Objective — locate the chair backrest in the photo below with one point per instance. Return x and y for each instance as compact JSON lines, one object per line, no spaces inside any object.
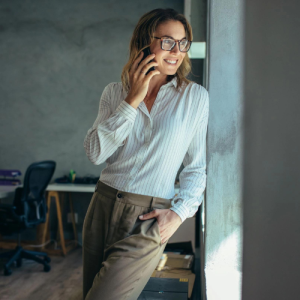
{"x":32,"y":199}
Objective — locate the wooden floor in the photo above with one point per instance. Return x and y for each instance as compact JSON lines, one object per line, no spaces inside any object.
{"x":64,"y":281}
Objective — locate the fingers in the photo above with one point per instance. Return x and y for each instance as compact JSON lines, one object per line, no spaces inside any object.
{"x":144,"y":62}
{"x":148,"y":66}
{"x":147,"y":216}
{"x":136,"y":62}
{"x":151,"y":74}
{"x":139,"y":81}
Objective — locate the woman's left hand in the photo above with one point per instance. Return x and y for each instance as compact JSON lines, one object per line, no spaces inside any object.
{"x":168,"y":222}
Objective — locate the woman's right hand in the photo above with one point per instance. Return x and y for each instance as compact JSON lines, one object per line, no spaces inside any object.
{"x":138,"y":80}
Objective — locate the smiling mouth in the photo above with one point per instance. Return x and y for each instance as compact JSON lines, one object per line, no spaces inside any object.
{"x":171,"y":61}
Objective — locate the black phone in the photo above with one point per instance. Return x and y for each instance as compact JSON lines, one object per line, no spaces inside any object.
{"x":146,"y":53}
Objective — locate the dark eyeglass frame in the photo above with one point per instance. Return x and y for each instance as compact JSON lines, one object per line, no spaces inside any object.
{"x":175,"y":41}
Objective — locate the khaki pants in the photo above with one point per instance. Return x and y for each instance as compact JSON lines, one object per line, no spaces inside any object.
{"x":120,"y":251}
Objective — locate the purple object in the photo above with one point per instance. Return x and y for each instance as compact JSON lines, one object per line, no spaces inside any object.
{"x":10,"y":182}
{"x":11,"y":173}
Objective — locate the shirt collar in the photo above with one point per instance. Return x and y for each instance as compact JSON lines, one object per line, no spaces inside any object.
{"x":172,"y":82}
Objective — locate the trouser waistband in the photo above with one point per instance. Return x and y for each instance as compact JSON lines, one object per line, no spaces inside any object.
{"x":136,"y":199}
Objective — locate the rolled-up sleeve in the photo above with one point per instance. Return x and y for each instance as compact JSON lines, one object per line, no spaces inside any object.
{"x":110,"y":129}
{"x":193,"y":176}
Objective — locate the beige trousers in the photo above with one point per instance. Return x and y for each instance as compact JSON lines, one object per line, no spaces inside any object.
{"x":120,"y":251}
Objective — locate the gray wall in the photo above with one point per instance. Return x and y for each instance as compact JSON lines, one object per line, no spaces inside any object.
{"x":223,"y":235}
{"x":55,"y":59}
{"x":198,"y":19}
{"x":271,"y":190}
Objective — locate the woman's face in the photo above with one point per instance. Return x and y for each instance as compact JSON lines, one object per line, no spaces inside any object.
{"x":173,"y":29}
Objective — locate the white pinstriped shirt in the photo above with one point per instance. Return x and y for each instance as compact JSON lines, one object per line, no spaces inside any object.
{"x":143,"y":152}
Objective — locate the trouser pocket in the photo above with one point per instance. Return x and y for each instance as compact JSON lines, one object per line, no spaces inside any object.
{"x":123,"y":220}
{"x":157,"y":230}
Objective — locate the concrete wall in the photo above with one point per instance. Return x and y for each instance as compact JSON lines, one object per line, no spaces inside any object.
{"x":271,"y":190}
{"x":223,"y":235}
{"x":55,"y":60}
{"x":198,"y":19}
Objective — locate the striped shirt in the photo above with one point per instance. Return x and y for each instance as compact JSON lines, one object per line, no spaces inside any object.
{"x":143,"y":151}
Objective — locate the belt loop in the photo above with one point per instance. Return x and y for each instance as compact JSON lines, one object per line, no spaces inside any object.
{"x":151,"y":203}
{"x":96,"y":187}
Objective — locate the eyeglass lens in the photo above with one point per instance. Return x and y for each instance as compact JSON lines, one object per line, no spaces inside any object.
{"x":168,"y":44}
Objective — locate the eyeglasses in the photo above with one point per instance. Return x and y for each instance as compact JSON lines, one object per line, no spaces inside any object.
{"x":168,"y":44}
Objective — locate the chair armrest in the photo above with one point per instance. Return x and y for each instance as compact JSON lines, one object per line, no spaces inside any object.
{"x":8,"y":211}
{"x":7,"y":206}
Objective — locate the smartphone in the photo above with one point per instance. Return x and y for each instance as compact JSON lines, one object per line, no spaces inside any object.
{"x":146,"y":53}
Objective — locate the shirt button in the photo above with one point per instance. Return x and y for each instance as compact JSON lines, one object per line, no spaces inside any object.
{"x":119,"y":195}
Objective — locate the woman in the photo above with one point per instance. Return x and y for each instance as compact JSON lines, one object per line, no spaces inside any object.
{"x":147,"y":125}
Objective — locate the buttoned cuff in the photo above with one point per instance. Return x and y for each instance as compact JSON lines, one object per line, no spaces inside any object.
{"x":181,"y":210}
{"x":127,"y":111}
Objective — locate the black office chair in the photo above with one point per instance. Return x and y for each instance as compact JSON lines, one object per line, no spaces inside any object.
{"x":28,"y":210}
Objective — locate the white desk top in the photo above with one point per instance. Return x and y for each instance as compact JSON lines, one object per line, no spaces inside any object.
{"x":8,"y":190}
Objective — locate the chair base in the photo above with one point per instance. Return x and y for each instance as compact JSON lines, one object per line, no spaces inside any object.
{"x":19,"y":253}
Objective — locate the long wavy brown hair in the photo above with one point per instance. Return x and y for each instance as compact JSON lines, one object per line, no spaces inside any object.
{"x":143,"y":37}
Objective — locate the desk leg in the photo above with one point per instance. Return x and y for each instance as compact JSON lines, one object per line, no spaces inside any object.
{"x":61,"y":201}
{"x":45,"y":227}
{"x":60,"y":224}
{"x":73,"y":218}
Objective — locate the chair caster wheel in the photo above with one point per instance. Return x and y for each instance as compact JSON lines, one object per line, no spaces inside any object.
{"x":19,"y":262}
{"x":7,"y":272}
{"x":47,"y":259}
{"x":47,"y":268}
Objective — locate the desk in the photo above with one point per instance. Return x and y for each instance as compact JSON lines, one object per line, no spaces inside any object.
{"x":52,"y":191}
{"x":9,"y":190}
{"x":43,"y":232}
